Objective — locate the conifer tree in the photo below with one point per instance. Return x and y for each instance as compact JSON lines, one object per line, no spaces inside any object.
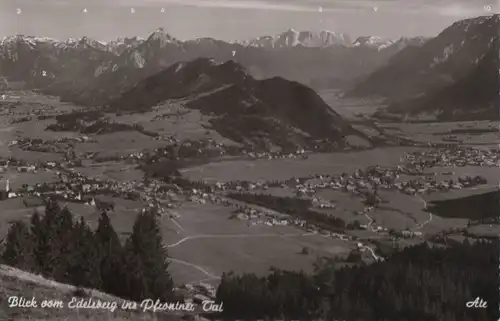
{"x":18,"y":250}
{"x":110,"y":256}
{"x":52,"y":208}
{"x":135,"y":285}
{"x":37,"y":233}
{"x":145,"y":252}
{"x":2,"y":250}
{"x":46,"y":241}
{"x":63,"y":233}
{"x":83,"y":266}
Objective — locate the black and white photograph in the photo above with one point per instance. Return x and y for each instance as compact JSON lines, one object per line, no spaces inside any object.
{"x":274,"y":160}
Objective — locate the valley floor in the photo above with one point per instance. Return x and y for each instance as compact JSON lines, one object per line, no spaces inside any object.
{"x":208,"y":233}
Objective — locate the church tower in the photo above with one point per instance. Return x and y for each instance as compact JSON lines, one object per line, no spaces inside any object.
{"x":4,"y":194}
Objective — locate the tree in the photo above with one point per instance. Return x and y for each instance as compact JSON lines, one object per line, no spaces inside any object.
{"x":52,"y":208}
{"x":47,"y":243}
{"x":63,"y":231}
{"x":136,"y":286}
{"x":19,"y":247}
{"x":36,"y":232}
{"x":83,"y":263}
{"x":110,"y":256}
{"x":147,"y":257}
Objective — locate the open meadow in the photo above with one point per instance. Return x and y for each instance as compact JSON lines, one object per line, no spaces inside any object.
{"x":252,"y":254}
{"x":351,"y":109}
{"x":204,"y":241}
{"x":470,"y":133}
{"x":13,"y":210}
{"x":116,"y":171}
{"x":282,"y":169}
{"x":118,"y":144}
{"x":173,"y":119}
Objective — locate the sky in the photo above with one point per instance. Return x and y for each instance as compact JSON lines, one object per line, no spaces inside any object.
{"x":233,"y":19}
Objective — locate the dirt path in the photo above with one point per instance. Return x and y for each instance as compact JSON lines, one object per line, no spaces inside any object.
{"x":205,"y":236}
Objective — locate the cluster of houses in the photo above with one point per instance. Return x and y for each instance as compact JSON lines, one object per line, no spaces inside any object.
{"x":455,"y":157}
{"x":405,"y":234}
{"x":363,"y":183}
{"x":73,"y":186}
{"x":277,"y":155}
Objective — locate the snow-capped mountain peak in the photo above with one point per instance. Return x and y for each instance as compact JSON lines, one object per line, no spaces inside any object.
{"x":30,"y":40}
{"x":83,"y":43}
{"x":293,"y":38}
{"x":161,"y":36}
{"x":372,"y":42}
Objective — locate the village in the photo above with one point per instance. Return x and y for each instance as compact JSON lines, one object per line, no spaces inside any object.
{"x":409,"y":178}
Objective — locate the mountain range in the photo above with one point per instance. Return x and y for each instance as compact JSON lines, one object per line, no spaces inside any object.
{"x":444,"y":75}
{"x":78,"y":68}
{"x":452,"y":76}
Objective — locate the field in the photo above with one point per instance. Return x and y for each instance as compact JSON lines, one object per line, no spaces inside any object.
{"x":12,"y":210}
{"x":345,"y":205}
{"x":172,"y":119}
{"x":282,"y":169}
{"x":492,"y":174}
{"x":351,"y":109}
{"x":36,"y":129}
{"x":204,"y":242}
{"x":472,"y":133}
{"x":118,"y":171}
{"x":121,"y":143}
{"x":484,"y":230}
{"x":17,"y":179}
{"x":256,"y":254}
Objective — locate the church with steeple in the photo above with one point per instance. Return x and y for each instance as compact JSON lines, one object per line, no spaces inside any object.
{"x":4,"y":192}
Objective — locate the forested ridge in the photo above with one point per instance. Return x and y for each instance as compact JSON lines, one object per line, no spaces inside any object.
{"x":419,"y":283}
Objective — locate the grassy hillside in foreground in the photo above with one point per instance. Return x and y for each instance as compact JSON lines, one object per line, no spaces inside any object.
{"x":15,"y":282}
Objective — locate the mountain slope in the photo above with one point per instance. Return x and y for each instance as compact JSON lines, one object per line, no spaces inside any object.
{"x":39,"y":62}
{"x":258,"y":113}
{"x":474,"y":97}
{"x":437,"y":64}
{"x":15,"y":282}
